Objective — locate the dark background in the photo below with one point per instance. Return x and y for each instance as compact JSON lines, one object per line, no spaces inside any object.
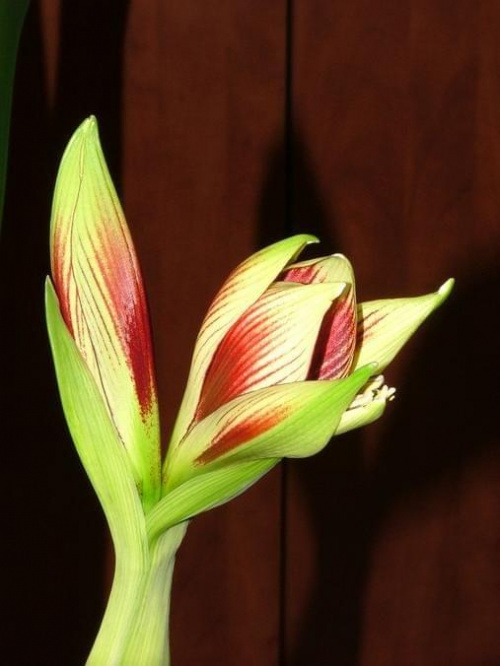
{"x":228,"y":124}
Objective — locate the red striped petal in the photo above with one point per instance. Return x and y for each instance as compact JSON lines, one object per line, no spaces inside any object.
{"x":336,"y":343}
{"x":240,"y":291}
{"x":272,"y":343}
{"x":101,"y":294}
{"x":294,"y":420}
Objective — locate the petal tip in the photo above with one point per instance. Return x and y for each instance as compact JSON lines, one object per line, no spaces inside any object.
{"x":310,"y":239}
{"x":446,"y":288}
{"x":89,"y":126}
{"x":50,"y":292}
{"x":337,"y":289}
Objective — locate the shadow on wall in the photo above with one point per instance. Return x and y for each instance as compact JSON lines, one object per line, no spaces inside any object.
{"x":336,"y":507}
{"x":53,"y":580}
{"x":444,"y":420}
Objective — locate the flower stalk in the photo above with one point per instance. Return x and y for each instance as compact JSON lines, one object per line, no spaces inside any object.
{"x":285,"y":359}
{"x":134,"y":629}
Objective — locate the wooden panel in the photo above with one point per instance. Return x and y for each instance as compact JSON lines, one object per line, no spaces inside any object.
{"x":203,"y":105}
{"x":393,"y":534}
{"x":54,"y":545}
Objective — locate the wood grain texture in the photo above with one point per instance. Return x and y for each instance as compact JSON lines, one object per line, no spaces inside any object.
{"x":389,"y":149}
{"x":395,"y":115}
{"x":203,"y":103}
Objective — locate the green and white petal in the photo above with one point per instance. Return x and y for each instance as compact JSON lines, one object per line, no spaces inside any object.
{"x":291,"y":420}
{"x":367,"y":406}
{"x":384,"y":326}
{"x":242,"y":288}
{"x":272,"y":343}
{"x":360,"y":416}
{"x":99,"y":286}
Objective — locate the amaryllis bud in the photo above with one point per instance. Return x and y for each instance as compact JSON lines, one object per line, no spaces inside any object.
{"x":99,"y":286}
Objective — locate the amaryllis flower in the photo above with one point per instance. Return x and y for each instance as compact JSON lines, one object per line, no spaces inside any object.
{"x":285,"y":359}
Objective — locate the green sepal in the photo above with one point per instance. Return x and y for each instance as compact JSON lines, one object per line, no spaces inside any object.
{"x":203,"y":493}
{"x":300,"y":419}
{"x":94,"y":435}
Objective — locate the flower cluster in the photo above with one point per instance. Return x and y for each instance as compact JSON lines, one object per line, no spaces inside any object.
{"x":285,"y":359}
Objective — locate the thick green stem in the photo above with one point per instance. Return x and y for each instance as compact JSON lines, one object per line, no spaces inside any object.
{"x":134,"y":629}
{"x":149,"y":639}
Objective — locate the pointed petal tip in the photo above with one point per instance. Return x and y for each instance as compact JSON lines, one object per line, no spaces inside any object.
{"x":89,"y":126}
{"x":446,"y":288}
{"x":85,"y":135}
{"x":50,"y":292}
{"x":303,"y":240}
{"x":310,"y":239}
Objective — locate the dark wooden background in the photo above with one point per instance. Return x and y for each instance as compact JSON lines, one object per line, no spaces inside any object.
{"x":229,"y":124}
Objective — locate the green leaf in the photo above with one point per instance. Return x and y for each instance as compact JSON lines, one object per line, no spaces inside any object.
{"x":12,"y":13}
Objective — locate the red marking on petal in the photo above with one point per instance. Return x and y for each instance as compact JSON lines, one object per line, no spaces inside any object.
{"x":304,"y":274}
{"x":114,"y":268}
{"x":61,"y":280}
{"x":241,"y":433}
{"x":127,"y":304}
{"x":335,"y":351}
{"x":261,"y":349}
{"x":367,"y":325}
{"x":336,"y":341}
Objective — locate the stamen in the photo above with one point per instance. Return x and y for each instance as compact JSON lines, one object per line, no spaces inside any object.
{"x":374,"y":390}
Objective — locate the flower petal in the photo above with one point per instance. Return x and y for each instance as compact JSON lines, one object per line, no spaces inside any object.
{"x":242,"y":288}
{"x":361,"y":416}
{"x":272,"y":343}
{"x":293,"y":420}
{"x":337,"y":338}
{"x":385,"y":325}
{"x":99,"y":285}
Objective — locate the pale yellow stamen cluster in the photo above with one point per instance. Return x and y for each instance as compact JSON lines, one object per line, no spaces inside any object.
{"x":374,"y":390}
